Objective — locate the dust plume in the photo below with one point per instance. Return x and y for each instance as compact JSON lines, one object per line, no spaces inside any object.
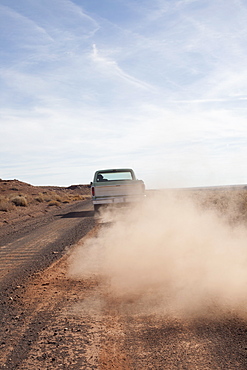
{"x":168,"y":256}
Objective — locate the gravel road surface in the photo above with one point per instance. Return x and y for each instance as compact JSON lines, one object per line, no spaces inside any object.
{"x":35,"y":243}
{"x":52,"y":322}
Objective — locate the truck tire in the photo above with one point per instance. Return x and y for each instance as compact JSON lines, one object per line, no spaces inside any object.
{"x":96,"y":208}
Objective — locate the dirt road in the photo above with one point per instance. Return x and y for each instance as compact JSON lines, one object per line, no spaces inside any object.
{"x":50,"y":321}
{"x":35,"y":243}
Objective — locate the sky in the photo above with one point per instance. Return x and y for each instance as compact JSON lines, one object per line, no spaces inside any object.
{"x":158,"y":86}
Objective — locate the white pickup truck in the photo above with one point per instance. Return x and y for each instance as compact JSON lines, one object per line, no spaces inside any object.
{"x":116,"y":186}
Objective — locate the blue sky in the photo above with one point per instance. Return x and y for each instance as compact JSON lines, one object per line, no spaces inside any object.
{"x":159,"y":86}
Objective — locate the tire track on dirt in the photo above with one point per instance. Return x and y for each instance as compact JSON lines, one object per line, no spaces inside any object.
{"x":45,"y":242}
{"x":36,"y":328}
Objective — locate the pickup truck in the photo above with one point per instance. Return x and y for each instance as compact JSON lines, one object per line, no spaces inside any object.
{"x":116,"y":186}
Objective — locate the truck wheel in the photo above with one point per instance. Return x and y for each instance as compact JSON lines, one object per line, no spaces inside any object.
{"x":96,"y":208}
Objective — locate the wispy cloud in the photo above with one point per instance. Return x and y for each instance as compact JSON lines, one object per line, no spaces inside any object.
{"x":111,"y":67}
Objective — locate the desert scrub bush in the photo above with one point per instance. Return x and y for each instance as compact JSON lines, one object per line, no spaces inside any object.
{"x":74,"y":198}
{"x":58,"y":198}
{"x":65,"y":200}
{"x":19,"y":201}
{"x":52,"y":196}
{"x":47,"y":197}
{"x":5,"y":204}
{"x":40,"y":198}
{"x":77,"y":197}
{"x":54,"y":203}
{"x":241,"y":203}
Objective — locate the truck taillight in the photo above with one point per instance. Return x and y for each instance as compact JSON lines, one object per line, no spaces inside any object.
{"x":92,"y":189}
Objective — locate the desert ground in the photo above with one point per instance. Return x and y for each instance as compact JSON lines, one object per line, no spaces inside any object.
{"x":20,"y":201}
{"x":161,"y":286}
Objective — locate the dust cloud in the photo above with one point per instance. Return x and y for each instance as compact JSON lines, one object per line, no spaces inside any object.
{"x":168,"y":256}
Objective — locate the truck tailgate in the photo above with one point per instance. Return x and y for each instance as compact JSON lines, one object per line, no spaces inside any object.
{"x":111,"y":190}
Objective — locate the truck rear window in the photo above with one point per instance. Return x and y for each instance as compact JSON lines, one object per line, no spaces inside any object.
{"x":114,"y":176}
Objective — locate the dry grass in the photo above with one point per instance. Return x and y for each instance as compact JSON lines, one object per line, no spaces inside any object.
{"x":8,"y":203}
{"x":15,"y":195}
{"x":230,"y":204}
{"x":5,"y":204}
{"x":53,"y":203}
{"x":19,"y":201}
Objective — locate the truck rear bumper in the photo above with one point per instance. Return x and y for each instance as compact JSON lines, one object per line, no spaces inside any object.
{"x":118,"y":200}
